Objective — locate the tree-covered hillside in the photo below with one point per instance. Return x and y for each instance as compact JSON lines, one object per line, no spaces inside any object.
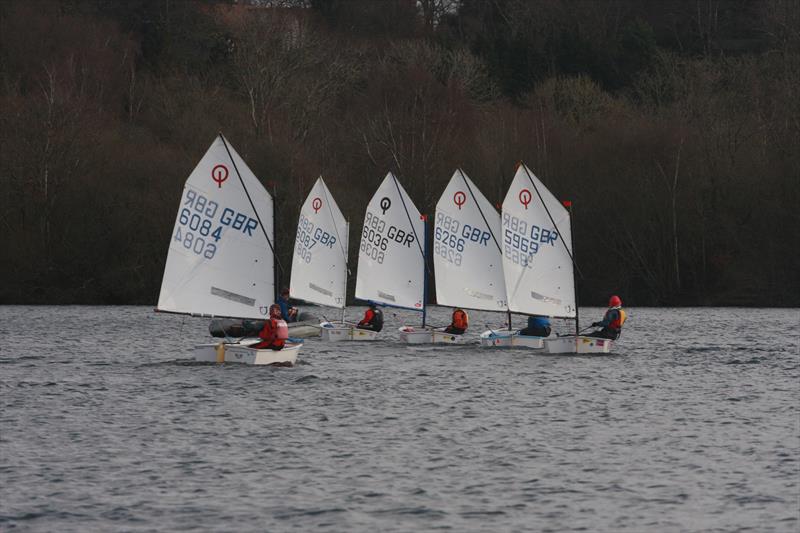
{"x":672,"y":125}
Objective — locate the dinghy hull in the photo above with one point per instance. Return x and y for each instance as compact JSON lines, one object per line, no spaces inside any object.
{"x":241,"y":352}
{"x":584,"y":345}
{"x":303,"y":330}
{"x":510,"y":339}
{"x":410,"y":335}
{"x":334,"y":332}
{"x":229,"y":327}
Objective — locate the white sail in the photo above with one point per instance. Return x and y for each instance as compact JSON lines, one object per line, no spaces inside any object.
{"x":319,"y":267}
{"x":390,"y":258}
{"x":536,"y":263}
{"x":466,"y":249}
{"x":220,"y":260}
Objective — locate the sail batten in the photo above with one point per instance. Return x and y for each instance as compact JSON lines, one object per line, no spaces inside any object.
{"x":220,"y":260}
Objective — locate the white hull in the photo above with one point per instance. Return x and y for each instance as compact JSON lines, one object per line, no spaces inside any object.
{"x":240,"y":352}
{"x":303,"y":330}
{"x":581,"y":345}
{"x":333,"y":332}
{"x":427,"y":336}
{"x":510,"y":339}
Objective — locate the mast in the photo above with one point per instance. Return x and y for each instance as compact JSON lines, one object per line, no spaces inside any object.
{"x":275,"y":260}
{"x":346,"y":269}
{"x":276,"y":279}
{"x":489,"y":227}
{"x":568,"y":205}
{"x":424,"y":269}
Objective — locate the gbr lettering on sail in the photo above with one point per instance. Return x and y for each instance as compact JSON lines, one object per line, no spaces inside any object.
{"x":201,"y":223}
{"x":378,"y":235}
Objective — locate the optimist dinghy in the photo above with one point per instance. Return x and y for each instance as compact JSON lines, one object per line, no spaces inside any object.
{"x":466,"y":255}
{"x":221,"y":261}
{"x":391,"y":258}
{"x":319,"y":268}
{"x":538,"y":265}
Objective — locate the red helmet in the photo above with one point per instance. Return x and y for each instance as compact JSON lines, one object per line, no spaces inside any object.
{"x":275,"y":311}
{"x":614,"y":301}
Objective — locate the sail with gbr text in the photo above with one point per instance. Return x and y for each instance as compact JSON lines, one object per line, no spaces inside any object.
{"x":537,"y":248}
{"x":220,"y":260}
{"x":319,"y":267}
{"x":467,"y":257}
{"x":390,"y":258}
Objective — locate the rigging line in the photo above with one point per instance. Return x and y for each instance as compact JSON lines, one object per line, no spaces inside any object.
{"x":333,"y":221}
{"x":494,"y":238}
{"x":341,"y":247}
{"x":519,"y":280}
{"x":535,"y":188}
{"x":416,"y":237}
{"x":247,"y":193}
{"x":480,"y":211}
{"x":516,"y":287}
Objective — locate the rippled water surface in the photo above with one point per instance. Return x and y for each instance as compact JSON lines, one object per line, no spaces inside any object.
{"x":690,"y":425}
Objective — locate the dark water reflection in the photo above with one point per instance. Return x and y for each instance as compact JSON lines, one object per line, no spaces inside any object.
{"x":692,"y":424}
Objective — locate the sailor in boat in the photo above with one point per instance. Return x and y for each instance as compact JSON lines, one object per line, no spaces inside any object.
{"x":373,"y":318}
{"x":275,"y":331}
{"x":538,"y":326}
{"x":611,"y":325}
{"x":288,"y":312}
{"x":460,"y":322}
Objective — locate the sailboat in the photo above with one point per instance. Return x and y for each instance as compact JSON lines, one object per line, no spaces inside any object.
{"x":538,"y":263}
{"x":391,"y":258}
{"x":466,"y":255}
{"x":319,"y":267}
{"x":221,"y":260}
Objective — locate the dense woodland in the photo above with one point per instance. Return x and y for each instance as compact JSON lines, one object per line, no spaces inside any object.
{"x":672,"y":125}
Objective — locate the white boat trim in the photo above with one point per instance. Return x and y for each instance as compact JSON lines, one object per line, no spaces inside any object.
{"x":510,"y":339}
{"x":338,"y":331}
{"x":241,"y":352}
{"x":411,"y":335}
{"x":581,"y":345}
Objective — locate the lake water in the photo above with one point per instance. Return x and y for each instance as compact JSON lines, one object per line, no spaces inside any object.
{"x":692,"y":424}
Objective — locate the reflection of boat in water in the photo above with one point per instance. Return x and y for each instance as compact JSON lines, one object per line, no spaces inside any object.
{"x":221,"y":261}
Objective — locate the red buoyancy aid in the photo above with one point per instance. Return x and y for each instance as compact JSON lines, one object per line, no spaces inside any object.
{"x":617,"y":323}
{"x":460,"y":319}
{"x":368,"y":316}
{"x":275,"y":332}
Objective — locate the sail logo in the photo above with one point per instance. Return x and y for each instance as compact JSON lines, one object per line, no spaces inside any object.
{"x":459,"y":198}
{"x":386,"y":203}
{"x":316,"y":204}
{"x":525,"y":197}
{"x":219,"y":174}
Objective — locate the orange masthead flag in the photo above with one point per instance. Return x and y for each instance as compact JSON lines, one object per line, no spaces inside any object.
{"x":567,"y":203}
